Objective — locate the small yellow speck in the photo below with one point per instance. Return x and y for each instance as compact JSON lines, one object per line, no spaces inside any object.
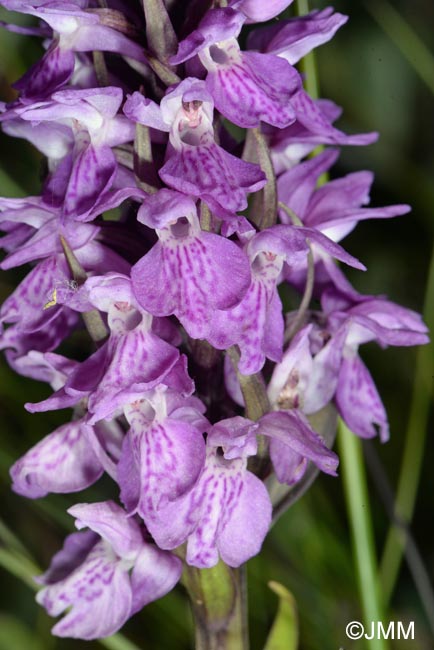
{"x":53,"y":300}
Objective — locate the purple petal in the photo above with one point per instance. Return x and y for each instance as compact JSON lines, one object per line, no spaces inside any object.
{"x":191,"y":279}
{"x":92,"y":173}
{"x":85,"y":101}
{"x":258,"y":11}
{"x":340,"y":226}
{"x":128,"y":475}
{"x":274,"y":330}
{"x":47,"y":75}
{"x":140,"y":109}
{"x":171,"y":455}
{"x":178,"y":378}
{"x":50,"y":368}
{"x":358,"y":401}
{"x":104,"y":39}
{"x":26,"y":305}
{"x":111,"y":522}
{"x":391,"y":323}
{"x":59,"y":400}
{"x":164,"y":207}
{"x":330,"y":247}
{"x":75,"y":549}
{"x":61,"y":462}
{"x":154,"y":574}
{"x":259,"y":87}
{"x":218,"y":25}
{"x":295,"y":436}
{"x":211,"y":173}
{"x":325,"y":372}
{"x":295,"y":187}
{"x":135,"y":362}
{"x":242,"y":536}
{"x":294,"y":38}
{"x":236,"y":436}
{"x":98,"y":592}
{"x":309,"y":114}
{"x":338,"y":195}
{"x":45,"y":242}
{"x":53,"y":140}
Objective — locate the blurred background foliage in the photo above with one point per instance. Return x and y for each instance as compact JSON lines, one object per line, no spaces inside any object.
{"x":378,"y":70}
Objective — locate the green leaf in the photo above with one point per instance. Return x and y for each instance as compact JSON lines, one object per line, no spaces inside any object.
{"x":362,"y":533}
{"x":284,"y":632}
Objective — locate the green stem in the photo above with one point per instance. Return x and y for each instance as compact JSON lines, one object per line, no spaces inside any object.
{"x":19,"y":566}
{"x":219,"y":606}
{"x":308,"y":63}
{"x":252,"y":387}
{"x":414,"y":449}
{"x":356,"y":496}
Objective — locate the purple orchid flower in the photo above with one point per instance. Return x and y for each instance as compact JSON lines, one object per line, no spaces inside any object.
{"x":104,"y":575}
{"x":44,"y":366}
{"x":292,"y":39}
{"x":34,"y":229}
{"x":64,"y":461}
{"x":293,"y":444}
{"x":131,"y":361}
{"x":163,"y":452}
{"x":35,"y":308}
{"x":72,"y":457}
{"x":189,"y":272}
{"x":304,"y":380}
{"x":333,"y":209}
{"x":378,"y":320}
{"x":247,"y":87}
{"x":196,"y":165}
{"x":30,"y":326}
{"x":312,"y":127}
{"x":228,"y":512}
{"x":336,"y":207}
{"x":312,"y":373}
{"x":256,"y":323}
{"x":40,"y":237}
{"x":74,"y":28}
{"x":82,"y":127}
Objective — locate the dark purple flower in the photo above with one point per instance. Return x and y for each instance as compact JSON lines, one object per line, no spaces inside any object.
{"x":292,"y":39}
{"x":76,"y":129}
{"x":74,"y":29}
{"x":196,"y":165}
{"x":247,"y":87}
{"x":256,"y":323}
{"x":333,"y":209}
{"x":30,"y":325}
{"x":131,"y":361}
